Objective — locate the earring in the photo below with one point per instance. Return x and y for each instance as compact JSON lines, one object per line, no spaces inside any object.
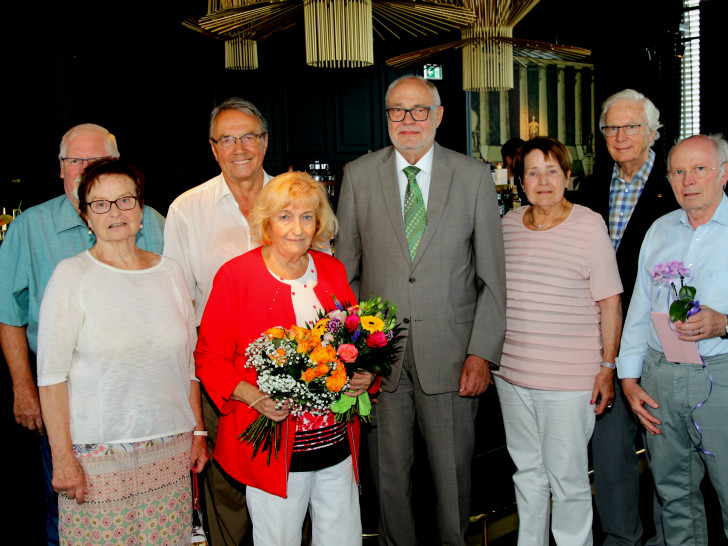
{"x":90,"y":231}
{"x":141,"y":225}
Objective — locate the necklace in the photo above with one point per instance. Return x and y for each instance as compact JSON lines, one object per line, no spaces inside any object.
{"x":539,"y":227}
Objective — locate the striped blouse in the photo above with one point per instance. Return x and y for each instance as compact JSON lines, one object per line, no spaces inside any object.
{"x":554,"y":280}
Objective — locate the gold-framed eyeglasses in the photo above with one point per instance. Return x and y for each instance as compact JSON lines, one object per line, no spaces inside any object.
{"x":102,"y":206}
{"x":699,"y":172}
{"x":248,"y":139}
{"x":627,"y":130}
{"x":418,"y":113}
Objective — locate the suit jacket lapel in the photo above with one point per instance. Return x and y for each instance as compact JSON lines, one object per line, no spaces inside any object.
{"x":439,"y":188}
{"x":390,"y":192}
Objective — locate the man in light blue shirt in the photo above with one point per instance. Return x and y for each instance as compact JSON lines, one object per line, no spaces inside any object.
{"x":35,"y":242}
{"x":682,"y":443}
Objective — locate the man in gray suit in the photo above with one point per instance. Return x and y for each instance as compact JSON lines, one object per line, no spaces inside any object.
{"x":420,"y":227}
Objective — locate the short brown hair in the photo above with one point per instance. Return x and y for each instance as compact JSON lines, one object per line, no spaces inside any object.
{"x":547,"y":145}
{"x":108,"y":165}
{"x":292,"y":188}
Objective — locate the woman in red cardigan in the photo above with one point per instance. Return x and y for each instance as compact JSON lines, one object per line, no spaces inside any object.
{"x":282,"y":283}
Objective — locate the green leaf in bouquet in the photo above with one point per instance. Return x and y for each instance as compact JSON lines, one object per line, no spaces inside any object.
{"x":364,"y":405}
{"x":343,"y":404}
{"x":679,"y":310}
{"x":687,"y":293}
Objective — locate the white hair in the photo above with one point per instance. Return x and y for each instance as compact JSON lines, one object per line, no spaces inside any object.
{"x":73,"y":132}
{"x":652,"y":114}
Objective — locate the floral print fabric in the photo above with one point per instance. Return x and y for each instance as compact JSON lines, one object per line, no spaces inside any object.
{"x":138,"y":493}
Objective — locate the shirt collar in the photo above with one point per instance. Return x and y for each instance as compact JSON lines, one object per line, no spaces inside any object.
{"x":66,"y":216}
{"x":424,"y":164}
{"x":640,"y":176}
{"x":720,"y":215}
{"x":222,"y":190}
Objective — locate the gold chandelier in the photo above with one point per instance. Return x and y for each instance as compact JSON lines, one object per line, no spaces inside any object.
{"x":241,"y":54}
{"x":339,"y":33}
{"x":488,"y":46}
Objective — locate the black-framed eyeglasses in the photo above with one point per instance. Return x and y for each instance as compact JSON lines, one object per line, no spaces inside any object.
{"x":249,"y":139}
{"x":79,"y":161}
{"x":102,"y":206}
{"x":628,"y":130}
{"x":418,"y":113}
{"x":698,"y":173}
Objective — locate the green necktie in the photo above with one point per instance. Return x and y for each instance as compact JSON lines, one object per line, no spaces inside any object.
{"x":415,"y":216}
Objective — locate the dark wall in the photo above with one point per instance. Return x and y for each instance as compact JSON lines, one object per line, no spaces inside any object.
{"x":133,"y":68}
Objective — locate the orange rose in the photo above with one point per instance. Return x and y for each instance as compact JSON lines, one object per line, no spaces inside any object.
{"x":275,"y":333}
{"x":336,"y":381}
{"x":323,"y":354}
{"x":312,"y":373}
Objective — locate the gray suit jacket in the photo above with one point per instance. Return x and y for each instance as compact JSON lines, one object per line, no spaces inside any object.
{"x":452,"y":297}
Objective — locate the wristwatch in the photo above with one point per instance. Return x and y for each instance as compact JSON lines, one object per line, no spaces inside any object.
{"x":609,"y":365}
{"x":725,"y":336}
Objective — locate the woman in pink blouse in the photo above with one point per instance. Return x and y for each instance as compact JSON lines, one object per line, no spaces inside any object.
{"x":563,"y":326}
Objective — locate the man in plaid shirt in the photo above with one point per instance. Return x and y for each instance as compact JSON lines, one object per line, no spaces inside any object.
{"x":630,"y":194}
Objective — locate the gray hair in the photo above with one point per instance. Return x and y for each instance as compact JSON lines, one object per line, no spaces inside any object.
{"x":719,"y":145}
{"x":73,"y":132}
{"x":241,"y":105}
{"x":652,"y":114}
{"x":431,"y":86}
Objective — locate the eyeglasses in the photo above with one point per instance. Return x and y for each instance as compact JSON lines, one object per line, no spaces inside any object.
{"x":102,"y":206}
{"x":627,"y":130}
{"x":249,"y":139}
{"x":698,"y":173}
{"x":79,"y":161}
{"x":419,"y":113}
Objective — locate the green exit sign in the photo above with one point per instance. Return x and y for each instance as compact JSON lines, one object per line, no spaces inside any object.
{"x":433,"y":72}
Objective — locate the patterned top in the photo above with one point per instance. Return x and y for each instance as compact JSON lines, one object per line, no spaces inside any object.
{"x":623,"y":197}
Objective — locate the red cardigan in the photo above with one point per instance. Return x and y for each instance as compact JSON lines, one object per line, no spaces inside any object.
{"x":246,"y":299}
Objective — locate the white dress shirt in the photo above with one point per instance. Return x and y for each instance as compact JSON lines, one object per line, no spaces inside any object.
{"x":423,"y":177}
{"x":205,"y":229}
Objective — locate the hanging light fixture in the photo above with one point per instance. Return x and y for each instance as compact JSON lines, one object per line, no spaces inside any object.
{"x":338,"y":33}
{"x":241,"y":54}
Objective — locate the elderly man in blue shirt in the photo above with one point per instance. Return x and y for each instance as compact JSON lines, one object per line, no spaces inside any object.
{"x":35,"y":242}
{"x":687,"y":422}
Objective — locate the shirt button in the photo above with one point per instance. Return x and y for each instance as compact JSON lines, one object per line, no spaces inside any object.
{"x":412,"y":279}
{"x":406,"y":321}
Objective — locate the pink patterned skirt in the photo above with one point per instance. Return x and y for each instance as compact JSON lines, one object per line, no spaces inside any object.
{"x":137,"y":494}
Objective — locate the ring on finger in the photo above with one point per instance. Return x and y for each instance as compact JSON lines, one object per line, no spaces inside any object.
{"x":279,"y":406}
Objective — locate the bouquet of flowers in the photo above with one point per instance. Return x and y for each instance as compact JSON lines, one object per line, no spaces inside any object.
{"x":366,"y":337}
{"x":684,"y":304}
{"x":311,"y":367}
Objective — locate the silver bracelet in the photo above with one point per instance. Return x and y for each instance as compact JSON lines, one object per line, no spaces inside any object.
{"x":199,"y":432}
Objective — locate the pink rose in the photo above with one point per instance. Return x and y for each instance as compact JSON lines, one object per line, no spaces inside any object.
{"x":376,"y":340}
{"x":352,"y":322}
{"x":347,"y":352}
